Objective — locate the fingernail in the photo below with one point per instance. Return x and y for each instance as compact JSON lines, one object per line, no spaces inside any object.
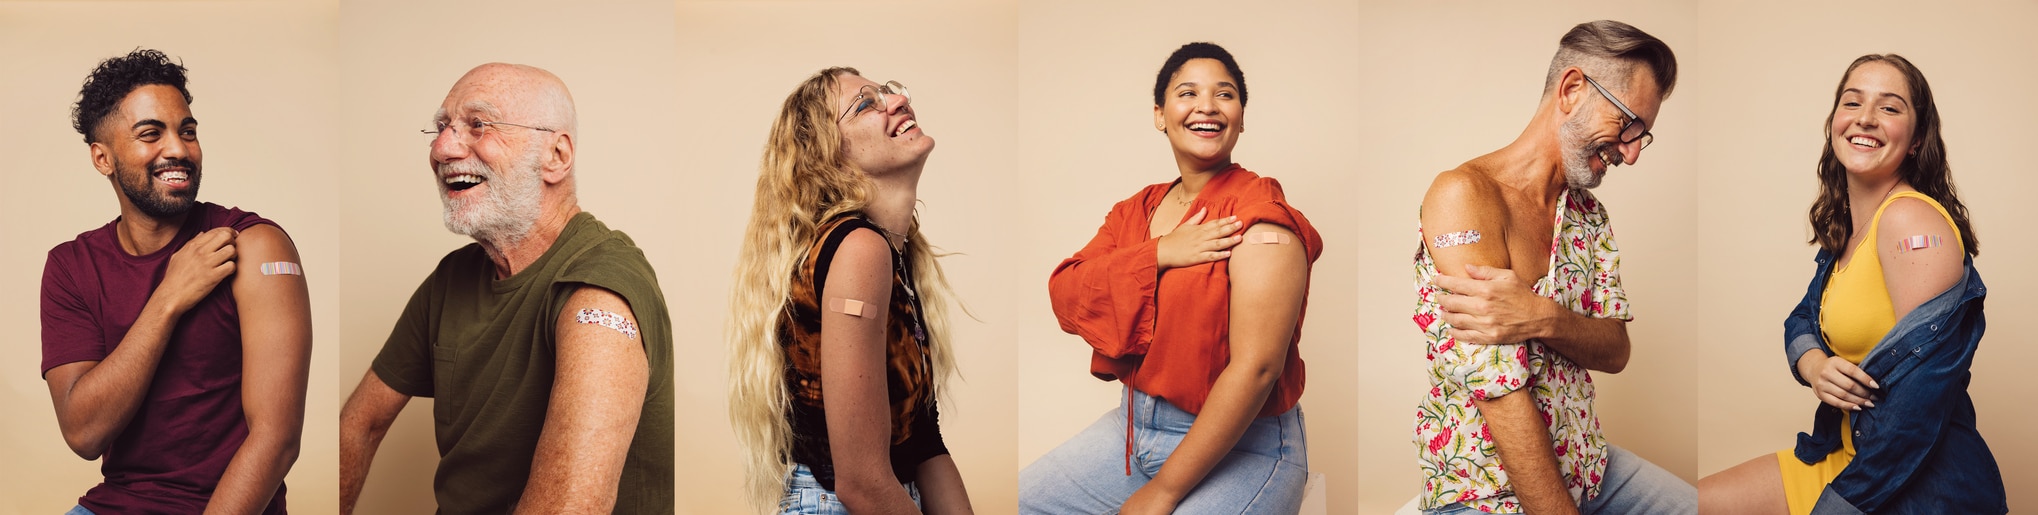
{"x":1857,"y":407}
{"x":1870,"y":404}
{"x":1871,"y":384}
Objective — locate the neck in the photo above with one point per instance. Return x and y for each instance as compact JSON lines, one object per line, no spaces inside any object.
{"x":891,"y":205}
{"x":141,"y":234}
{"x":1532,"y":165}
{"x":513,"y":255}
{"x":1196,"y":175}
{"x":1865,"y":194}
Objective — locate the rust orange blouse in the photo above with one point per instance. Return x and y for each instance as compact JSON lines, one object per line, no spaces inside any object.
{"x":1169,"y":335}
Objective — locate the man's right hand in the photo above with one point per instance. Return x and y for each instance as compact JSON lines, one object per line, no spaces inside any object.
{"x":196,"y":269}
{"x":1195,"y":242}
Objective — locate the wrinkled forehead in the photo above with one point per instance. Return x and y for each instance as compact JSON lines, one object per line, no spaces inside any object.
{"x":1641,"y":94}
{"x":487,"y":97}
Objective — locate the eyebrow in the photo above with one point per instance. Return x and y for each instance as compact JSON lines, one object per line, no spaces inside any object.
{"x":152,"y":122}
{"x":486,"y":109}
{"x":1221,"y":84}
{"x":1858,"y":91}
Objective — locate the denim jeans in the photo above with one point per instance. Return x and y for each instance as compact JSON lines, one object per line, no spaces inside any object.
{"x":1631,"y":485}
{"x":1264,"y":473}
{"x":804,"y":495}
{"x":79,"y":510}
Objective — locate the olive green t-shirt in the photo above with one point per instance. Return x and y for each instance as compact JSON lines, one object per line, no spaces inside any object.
{"x":483,"y":349}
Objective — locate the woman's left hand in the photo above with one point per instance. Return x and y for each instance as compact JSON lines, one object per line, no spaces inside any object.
{"x":1149,"y":500}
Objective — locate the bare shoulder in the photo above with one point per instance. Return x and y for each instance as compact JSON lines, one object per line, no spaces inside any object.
{"x":1462,"y":186}
{"x":264,"y":241}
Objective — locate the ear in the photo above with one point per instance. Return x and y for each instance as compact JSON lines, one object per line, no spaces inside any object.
{"x":102,"y":158}
{"x":559,"y":161}
{"x":1571,"y":89}
{"x":1160,"y":122}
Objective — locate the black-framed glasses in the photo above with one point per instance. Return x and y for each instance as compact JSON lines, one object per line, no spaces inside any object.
{"x":474,"y":128}
{"x":875,"y":97}
{"x":1631,"y":130}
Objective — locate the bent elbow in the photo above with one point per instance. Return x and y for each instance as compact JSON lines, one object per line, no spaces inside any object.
{"x":1260,"y":374}
{"x":84,"y":446}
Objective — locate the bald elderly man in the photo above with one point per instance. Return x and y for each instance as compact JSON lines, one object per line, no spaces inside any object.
{"x":545,"y":344}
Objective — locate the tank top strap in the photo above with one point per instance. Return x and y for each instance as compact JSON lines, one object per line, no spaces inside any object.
{"x":1876,"y":222}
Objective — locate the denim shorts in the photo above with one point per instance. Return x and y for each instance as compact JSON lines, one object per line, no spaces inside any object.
{"x":805,"y":496}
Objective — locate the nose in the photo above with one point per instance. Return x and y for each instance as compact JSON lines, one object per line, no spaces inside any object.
{"x":1631,"y":152}
{"x":176,"y":148}
{"x":894,"y":102}
{"x":448,"y":145}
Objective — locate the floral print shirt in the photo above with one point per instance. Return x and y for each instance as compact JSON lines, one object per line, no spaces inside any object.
{"x":1459,"y":461}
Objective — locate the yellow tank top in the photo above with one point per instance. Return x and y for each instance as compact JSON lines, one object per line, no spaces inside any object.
{"x":1855,"y":310}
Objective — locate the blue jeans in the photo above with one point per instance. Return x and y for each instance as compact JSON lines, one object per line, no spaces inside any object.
{"x":1264,"y":473}
{"x":805,"y":496}
{"x":79,"y":510}
{"x":1631,"y":485}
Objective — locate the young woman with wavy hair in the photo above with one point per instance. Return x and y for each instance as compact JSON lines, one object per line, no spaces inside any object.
{"x":835,"y":275}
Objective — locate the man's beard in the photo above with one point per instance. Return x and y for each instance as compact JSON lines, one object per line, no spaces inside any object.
{"x":1578,"y":154}
{"x":140,"y":189}
{"x":508,"y":210}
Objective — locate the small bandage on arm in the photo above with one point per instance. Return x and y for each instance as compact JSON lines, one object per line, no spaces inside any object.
{"x":1919,"y":242}
{"x":282,"y":268}
{"x":609,"y":319}
{"x":1448,"y":240}
{"x":1268,"y":238}
{"x":851,"y":307}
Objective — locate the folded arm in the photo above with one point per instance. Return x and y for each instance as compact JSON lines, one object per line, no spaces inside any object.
{"x":96,"y":399}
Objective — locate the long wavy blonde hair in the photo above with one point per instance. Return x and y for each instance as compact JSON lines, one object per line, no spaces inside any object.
{"x":804,"y":181}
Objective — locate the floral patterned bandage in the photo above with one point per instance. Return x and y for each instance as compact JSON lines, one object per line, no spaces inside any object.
{"x":1455,"y":239}
{"x":607,"y":319}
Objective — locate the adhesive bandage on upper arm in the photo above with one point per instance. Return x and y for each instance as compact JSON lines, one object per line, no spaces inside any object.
{"x":609,"y":319}
{"x":1271,"y":238}
{"x":1919,"y":242}
{"x":282,"y":268}
{"x":1455,"y":239}
{"x":851,"y":307}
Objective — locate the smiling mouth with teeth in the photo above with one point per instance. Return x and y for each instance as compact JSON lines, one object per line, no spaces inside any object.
{"x":173,"y":176}
{"x":903,"y":127}
{"x":1206,"y":127}
{"x":462,"y":182}
{"x":1865,"y":141}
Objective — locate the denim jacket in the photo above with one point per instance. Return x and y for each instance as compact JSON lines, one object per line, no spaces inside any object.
{"x":1917,"y":450}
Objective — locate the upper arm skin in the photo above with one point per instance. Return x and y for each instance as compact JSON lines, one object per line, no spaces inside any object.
{"x":275,"y":319}
{"x":1915,"y":276}
{"x":853,"y":364}
{"x":275,"y":313}
{"x":597,"y":398}
{"x":1458,"y":201}
{"x":1268,"y":285}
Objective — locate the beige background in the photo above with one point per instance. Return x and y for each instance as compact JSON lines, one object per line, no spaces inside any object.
{"x":741,"y":59}
{"x":400,"y":58}
{"x":262,"y":77}
{"x":1087,"y":117}
{"x":1766,"y":91}
{"x":1443,"y":85}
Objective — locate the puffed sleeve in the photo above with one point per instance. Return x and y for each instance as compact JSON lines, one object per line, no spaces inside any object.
{"x":1105,"y":293}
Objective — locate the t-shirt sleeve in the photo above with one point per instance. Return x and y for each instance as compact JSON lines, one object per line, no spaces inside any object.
{"x":69,"y":332}
{"x":405,"y":363}
{"x":617,"y":266}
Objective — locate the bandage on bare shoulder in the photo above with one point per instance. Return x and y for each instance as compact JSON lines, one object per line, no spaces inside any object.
{"x":1919,"y":242}
{"x":1269,"y":238}
{"x":851,"y":307}
{"x":1454,"y":239}
{"x":609,"y":319}
{"x":282,"y":268}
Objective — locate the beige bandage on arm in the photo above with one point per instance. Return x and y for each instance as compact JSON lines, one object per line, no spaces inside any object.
{"x":851,"y":307}
{"x":1269,"y":238}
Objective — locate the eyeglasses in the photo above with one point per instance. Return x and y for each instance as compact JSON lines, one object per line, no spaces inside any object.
{"x":875,"y":97}
{"x":1631,"y":130}
{"x":475,"y":128}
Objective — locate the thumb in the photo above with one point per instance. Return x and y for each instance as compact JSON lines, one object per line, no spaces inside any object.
{"x":1193,"y":220}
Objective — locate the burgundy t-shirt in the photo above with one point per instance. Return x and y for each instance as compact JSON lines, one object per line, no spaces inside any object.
{"x":174,"y":450}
